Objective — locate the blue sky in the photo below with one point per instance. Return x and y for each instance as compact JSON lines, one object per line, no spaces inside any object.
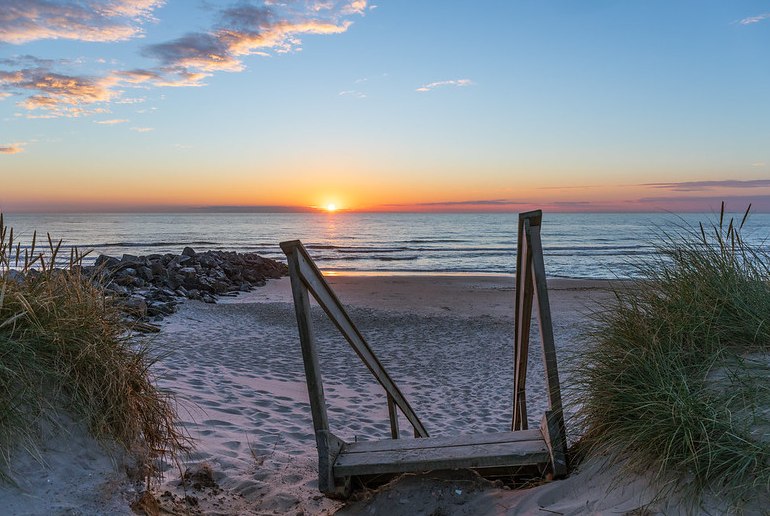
{"x":595,"y":104}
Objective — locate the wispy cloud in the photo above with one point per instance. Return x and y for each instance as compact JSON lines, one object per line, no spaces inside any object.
{"x":113,"y":121}
{"x":142,"y":129}
{"x":754,"y":19}
{"x":475,"y":202}
{"x":433,"y":85}
{"x":12,"y":148}
{"x":22,"y":21}
{"x":353,"y":93}
{"x":696,"y":186}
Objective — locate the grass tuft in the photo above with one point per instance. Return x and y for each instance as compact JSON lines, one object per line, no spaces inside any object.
{"x":678,"y":381}
{"x":65,"y":348}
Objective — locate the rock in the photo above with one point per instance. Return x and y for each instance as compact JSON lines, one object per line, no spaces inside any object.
{"x":130,"y":258}
{"x":104,"y":261}
{"x":145,"y":273}
{"x":150,"y":286}
{"x":136,"y":305}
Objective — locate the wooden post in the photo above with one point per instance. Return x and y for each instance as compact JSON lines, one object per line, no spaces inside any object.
{"x":327,"y":443}
{"x":393,"y":414}
{"x":557,"y":430}
{"x":522,"y":322}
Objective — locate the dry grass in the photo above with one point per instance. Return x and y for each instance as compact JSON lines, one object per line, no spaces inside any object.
{"x":65,"y":347}
{"x":667,"y":388}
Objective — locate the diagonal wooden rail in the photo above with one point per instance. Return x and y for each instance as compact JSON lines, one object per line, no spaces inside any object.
{"x":339,"y":461}
{"x":305,"y":277}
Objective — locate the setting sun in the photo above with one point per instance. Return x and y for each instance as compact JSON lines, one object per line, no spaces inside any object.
{"x":331,"y":207}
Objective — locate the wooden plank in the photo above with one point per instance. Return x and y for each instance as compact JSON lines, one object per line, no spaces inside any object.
{"x":443,"y":441}
{"x":315,"y":282}
{"x":476,"y":456}
{"x":393,"y":415}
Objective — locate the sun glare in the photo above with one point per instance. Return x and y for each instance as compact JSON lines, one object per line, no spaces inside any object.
{"x":331,"y":207}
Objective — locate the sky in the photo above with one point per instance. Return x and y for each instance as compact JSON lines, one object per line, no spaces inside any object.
{"x":384,"y":105}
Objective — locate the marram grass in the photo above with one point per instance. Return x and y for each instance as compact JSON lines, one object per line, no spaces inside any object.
{"x":678,"y":381}
{"x":64,"y":347}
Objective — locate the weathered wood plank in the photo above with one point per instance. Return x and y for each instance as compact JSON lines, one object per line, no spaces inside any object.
{"x":322,"y":292}
{"x":443,"y":442}
{"x":476,"y":456}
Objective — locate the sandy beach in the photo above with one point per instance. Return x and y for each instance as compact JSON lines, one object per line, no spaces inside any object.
{"x":237,"y":373}
{"x":447,"y":340}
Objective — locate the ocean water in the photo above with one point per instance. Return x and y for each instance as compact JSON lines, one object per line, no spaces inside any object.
{"x":583,"y":245}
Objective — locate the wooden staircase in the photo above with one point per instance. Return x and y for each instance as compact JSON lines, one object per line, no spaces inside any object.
{"x":543,"y":448}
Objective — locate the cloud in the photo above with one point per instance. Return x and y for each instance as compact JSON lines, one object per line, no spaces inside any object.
{"x":754,"y":19}
{"x":240,"y":30}
{"x":12,"y":148}
{"x":142,"y":129}
{"x":113,"y":121}
{"x":22,"y":21}
{"x":433,"y":85}
{"x":733,"y":203}
{"x":482,"y":202}
{"x":352,"y":93}
{"x":60,"y":94}
{"x":245,"y":30}
{"x":696,"y":186}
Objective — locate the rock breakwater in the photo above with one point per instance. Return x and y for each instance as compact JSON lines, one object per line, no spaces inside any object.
{"x":150,"y":287}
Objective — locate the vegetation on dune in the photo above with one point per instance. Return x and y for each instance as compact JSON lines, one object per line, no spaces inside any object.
{"x":64,"y":348}
{"x":678,"y":382}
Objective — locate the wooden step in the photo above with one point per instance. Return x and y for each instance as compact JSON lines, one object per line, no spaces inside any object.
{"x":504,"y":449}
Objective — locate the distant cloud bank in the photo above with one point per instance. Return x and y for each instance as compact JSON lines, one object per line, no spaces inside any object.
{"x":696,"y":186}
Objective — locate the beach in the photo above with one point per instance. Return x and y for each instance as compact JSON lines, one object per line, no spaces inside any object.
{"x":236,"y":370}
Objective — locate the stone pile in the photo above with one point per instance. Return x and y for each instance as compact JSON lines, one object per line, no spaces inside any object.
{"x":150,"y":286}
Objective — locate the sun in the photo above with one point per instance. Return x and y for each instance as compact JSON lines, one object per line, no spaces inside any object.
{"x":331,"y":207}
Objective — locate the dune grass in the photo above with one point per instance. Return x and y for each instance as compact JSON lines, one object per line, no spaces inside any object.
{"x":64,"y":348}
{"x":678,"y":382}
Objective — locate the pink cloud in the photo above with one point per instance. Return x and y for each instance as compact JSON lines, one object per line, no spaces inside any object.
{"x":22,"y":21}
{"x":11,"y":148}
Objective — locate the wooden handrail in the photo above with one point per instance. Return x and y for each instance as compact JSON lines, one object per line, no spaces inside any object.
{"x":305,"y":276}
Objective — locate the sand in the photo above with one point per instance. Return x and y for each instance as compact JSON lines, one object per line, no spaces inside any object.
{"x":237,"y":372}
{"x":446,"y":340}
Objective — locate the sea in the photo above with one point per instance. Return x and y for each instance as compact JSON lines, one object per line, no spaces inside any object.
{"x":575,"y":245}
